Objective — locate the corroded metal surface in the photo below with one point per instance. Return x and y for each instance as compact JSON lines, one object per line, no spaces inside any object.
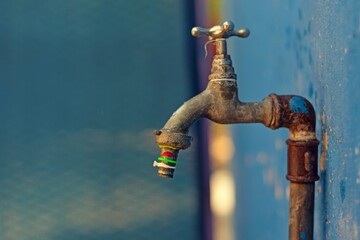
{"x":221,"y":67}
{"x":298,"y":115}
{"x":302,"y":161}
{"x":301,"y":218}
{"x":173,"y":139}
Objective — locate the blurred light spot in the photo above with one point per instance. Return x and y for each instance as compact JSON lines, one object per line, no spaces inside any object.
{"x":278,"y":192}
{"x":262,"y":157}
{"x":279,"y":144}
{"x":222,"y":193}
{"x":269,"y":176}
{"x":221,"y":149}
{"x":357,"y":151}
{"x":356,"y":231}
{"x":287,"y":192}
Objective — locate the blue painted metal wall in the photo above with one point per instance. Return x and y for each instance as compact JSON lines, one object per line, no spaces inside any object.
{"x":308,"y":48}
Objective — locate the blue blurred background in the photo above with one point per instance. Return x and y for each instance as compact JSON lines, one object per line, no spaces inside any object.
{"x":83,"y":84}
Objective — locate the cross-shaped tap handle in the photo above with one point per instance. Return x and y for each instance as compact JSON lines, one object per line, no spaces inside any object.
{"x":225,"y":30}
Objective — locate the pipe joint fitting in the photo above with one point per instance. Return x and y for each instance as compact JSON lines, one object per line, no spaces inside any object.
{"x":302,"y":161}
{"x":170,"y":144}
{"x":273,"y":118}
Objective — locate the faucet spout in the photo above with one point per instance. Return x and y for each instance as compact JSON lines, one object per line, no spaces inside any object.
{"x":219,"y":103}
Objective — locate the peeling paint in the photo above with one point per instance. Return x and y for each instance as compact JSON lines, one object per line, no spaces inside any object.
{"x":324,"y":149}
{"x":297,"y":104}
{"x":324,"y":144}
{"x":348,"y":227}
{"x":303,"y":236}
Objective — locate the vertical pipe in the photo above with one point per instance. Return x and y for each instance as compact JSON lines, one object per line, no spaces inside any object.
{"x":301,"y":219}
{"x":302,"y":174}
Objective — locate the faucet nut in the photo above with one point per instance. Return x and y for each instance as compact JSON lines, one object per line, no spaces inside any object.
{"x":167,"y":162}
{"x":173,"y":140}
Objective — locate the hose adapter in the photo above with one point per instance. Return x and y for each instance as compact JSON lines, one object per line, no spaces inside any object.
{"x":170,"y":144}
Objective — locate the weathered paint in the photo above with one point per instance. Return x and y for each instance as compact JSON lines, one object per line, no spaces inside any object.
{"x":303,"y":236}
{"x":311,"y":49}
{"x":297,"y":104}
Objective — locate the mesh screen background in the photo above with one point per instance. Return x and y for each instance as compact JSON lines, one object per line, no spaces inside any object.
{"x":82,"y":84}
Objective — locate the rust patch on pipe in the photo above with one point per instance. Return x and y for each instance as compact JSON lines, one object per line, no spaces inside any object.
{"x":302,"y":161}
{"x":296,"y":113}
{"x":324,"y":144}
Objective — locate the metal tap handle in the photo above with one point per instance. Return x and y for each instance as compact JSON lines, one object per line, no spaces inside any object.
{"x":225,"y":30}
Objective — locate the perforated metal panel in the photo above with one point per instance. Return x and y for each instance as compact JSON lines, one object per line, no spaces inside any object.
{"x":82,"y":84}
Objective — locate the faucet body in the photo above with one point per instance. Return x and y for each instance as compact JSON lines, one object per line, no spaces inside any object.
{"x":219,"y":103}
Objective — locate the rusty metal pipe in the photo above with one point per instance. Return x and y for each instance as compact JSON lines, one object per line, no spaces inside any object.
{"x":298,"y":115}
{"x":219,"y":103}
{"x":301,"y":218}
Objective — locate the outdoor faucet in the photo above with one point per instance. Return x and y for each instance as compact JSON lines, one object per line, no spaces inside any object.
{"x":219,"y":103}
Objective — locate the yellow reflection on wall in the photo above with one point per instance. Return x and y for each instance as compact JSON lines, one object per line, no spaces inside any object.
{"x":222,"y":195}
{"x":222,"y":184}
{"x":221,"y":148}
